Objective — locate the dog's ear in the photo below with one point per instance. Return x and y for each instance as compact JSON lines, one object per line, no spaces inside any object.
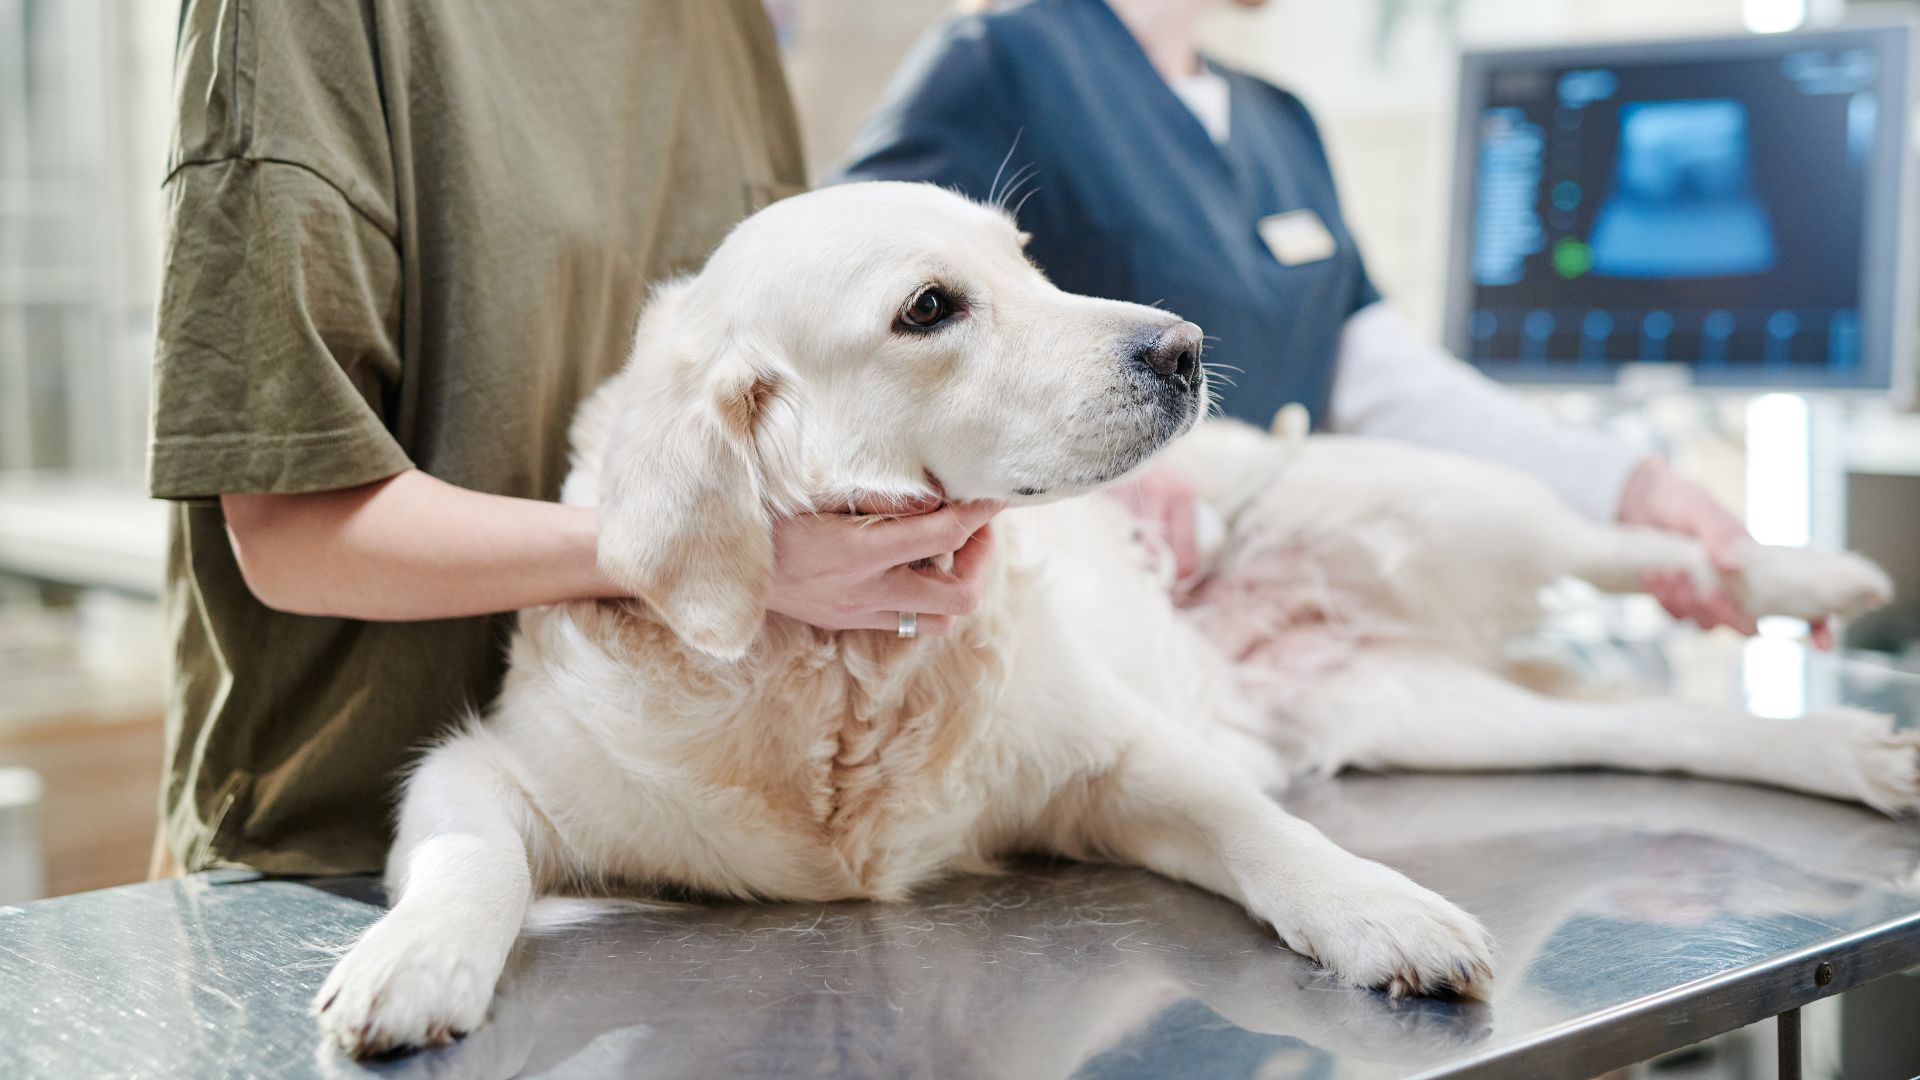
{"x":703,"y":451}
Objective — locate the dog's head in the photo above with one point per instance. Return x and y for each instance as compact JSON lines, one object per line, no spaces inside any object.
{"x":868,"y":341}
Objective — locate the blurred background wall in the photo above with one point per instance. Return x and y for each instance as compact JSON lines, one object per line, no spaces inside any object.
{"x":83,"y":128}
{"x":83,"y":131}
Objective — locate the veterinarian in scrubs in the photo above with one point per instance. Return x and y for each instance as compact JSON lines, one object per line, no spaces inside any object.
{"x":404,"y":239}
{"x":1145,"y":172}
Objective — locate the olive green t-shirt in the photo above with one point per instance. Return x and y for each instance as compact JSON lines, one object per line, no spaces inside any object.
{"x":405,"y":234}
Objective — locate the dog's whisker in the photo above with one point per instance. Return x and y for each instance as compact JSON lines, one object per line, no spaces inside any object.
{"x":1011,"y":147}
{"x":1217,"y":372}
{"x":1023,"y":199}
{"x":1019,"y":182}
{"x":1014,"y":186}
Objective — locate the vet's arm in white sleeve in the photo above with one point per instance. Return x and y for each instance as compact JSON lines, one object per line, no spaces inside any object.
{"x":1389,"y":382}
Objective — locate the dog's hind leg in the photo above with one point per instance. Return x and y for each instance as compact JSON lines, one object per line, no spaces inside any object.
{"x":1186,"y":811}
{"x":461,"y":882}
{"x":1802,"y":583}
{"x":1402,"y":709}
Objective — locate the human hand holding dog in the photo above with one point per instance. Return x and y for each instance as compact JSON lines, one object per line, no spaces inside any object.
{"x":855,"y":572}
{"x":1657,"y":497}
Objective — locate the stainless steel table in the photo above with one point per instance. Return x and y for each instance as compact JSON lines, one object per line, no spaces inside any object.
{"x":1634,"y":915}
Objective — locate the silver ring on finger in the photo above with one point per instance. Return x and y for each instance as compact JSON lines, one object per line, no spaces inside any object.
{"x":909,"y":624}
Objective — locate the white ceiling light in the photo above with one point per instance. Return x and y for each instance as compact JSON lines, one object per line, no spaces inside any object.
{"x":1774,"y":16}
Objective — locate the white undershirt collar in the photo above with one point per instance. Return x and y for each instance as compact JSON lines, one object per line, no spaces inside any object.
{"x":1205,"y":95}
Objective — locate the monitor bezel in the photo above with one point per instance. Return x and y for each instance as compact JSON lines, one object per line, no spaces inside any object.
{"x":1889,"y":298}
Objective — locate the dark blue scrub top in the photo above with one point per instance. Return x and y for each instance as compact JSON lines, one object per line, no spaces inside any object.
{"x":1131,"y":198}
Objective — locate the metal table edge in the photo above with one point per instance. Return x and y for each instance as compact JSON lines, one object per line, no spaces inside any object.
{"x":1646,"y":1027}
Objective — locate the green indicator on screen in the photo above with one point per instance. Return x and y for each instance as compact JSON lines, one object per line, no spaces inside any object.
{"x":1572,"y":258}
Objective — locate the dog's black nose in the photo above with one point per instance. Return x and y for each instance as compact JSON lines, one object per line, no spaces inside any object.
{"x":1174,"y":355}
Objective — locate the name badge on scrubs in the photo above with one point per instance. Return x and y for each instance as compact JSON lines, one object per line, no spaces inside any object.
{"x":1297,"y":237}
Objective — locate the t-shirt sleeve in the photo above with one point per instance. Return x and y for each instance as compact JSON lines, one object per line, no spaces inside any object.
{"x":277,"y":336}
{"x":949,"y":117}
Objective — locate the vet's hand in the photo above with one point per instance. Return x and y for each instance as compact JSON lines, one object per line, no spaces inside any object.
{"x":1657,"y":497}
{"x":1161,"y":501}
{"x":848,"y":572}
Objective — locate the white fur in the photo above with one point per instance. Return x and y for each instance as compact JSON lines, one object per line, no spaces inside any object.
{"x":692,"y":741}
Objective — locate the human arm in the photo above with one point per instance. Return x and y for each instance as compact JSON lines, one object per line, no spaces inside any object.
{"x":412,"y":547}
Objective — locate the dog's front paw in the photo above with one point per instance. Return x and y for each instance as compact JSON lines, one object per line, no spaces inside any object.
{"x":403,"y":987}
{"x":1375,"y":928}
{"x":1806,"y":584}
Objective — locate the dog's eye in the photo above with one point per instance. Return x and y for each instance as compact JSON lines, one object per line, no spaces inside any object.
{"x":931,"y":308}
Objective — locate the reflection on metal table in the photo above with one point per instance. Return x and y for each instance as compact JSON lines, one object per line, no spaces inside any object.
{"x":1633,"y":915}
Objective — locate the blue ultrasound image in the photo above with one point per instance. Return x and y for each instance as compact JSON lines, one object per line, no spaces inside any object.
{"x":1683,"y":202}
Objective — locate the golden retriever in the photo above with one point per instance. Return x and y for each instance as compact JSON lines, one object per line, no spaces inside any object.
{"x":691,"y":740}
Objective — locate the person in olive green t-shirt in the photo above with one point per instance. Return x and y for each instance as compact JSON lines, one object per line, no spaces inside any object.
{"x":405,"y":238}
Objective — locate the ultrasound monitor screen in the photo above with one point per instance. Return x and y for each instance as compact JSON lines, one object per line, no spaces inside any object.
{"x":1717,"y":205}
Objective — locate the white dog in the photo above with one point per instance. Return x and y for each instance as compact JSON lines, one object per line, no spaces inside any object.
{"x":892,"y":340}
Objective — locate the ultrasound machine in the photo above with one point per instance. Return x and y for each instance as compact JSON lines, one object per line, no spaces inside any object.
{"x":1733,"y":210}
